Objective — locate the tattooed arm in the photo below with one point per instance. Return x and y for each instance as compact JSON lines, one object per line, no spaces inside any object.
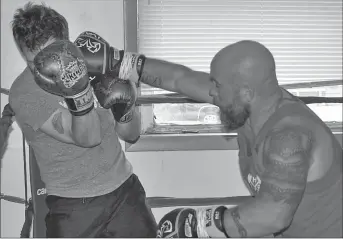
{"x":177,"y":78}
{"x":282,"y":186}
{"x":83,"y":131}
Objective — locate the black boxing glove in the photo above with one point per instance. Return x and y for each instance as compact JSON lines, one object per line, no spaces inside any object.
{"x":103,"y":59}
{"x":118,"y":95}
{"x":179,"y":223}
{"x":60,"y":69}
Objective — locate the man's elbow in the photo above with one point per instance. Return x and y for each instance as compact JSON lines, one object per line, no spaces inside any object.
{"x":132,"y":140}
{"x":88,"y":144}
{"x":281,"y":223}
{"x":95,"y":142}
{"x":129,"y":138}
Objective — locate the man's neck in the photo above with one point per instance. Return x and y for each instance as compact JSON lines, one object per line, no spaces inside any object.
{"x":262,"y":111}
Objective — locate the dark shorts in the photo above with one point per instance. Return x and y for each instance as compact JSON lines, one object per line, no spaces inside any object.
{"x":121,"y":213}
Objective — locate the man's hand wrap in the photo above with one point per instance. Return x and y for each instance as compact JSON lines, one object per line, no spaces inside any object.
{"x":104,"y":59}
{"x":118,"y":95}
{"x":61,"y":70}
{"x":131,"y":66}
{"x":210,"y":222}
{"x":193,"y":223}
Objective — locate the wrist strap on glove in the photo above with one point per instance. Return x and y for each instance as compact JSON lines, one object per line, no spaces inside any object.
{"x":210,"y":222}
{"x":131,"y":66}
{"x":81,"y":103}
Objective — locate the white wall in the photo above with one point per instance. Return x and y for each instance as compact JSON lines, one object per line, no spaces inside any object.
{"x":162,"y":173}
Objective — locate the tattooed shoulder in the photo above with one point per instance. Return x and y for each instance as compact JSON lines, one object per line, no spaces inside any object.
{"x":286,"y":161}
{"x":284,"y":144}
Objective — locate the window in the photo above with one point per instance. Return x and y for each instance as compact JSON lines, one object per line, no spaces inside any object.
{"x":304,"y":36}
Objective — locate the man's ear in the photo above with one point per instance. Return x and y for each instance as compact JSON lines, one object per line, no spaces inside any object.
{"x":247,"y":94}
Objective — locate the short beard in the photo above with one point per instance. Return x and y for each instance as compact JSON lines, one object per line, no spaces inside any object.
{"x":235,"y":116}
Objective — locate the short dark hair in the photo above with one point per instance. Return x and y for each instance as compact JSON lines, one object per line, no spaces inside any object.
{"x":33,"y":25}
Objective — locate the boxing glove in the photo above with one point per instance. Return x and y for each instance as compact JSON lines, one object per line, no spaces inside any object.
{"x":118,"y":95}
{"x":193,"y":223}
{"x":101,"y":58}
{"x":179,"y":223}
{"x":60,"y":69}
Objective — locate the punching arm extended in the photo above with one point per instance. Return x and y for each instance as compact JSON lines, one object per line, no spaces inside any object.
{"x":155,"y":72}
{"x":177,"y":78}
{"x":136,"y":67}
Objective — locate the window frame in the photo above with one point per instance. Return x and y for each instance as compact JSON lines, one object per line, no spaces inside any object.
{"x":173,"y":138}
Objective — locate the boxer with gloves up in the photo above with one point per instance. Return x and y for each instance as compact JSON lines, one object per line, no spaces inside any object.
{"x":72,"y":125}
{"x":289,"y":159}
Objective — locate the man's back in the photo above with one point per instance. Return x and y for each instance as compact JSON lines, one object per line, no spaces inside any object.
{"x":68,"y":170}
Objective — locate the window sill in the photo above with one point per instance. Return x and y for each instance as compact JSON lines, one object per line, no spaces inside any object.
{"x":183,"y":142}
{"x":183,"y":138}
{"x":188,"y":138}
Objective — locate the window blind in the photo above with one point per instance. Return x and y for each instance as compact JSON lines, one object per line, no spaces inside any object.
{"x":305,"y":36}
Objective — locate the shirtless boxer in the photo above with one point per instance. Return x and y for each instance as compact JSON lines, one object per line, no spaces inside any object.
{"x":92,"y":191}
{"x":289,"y":159}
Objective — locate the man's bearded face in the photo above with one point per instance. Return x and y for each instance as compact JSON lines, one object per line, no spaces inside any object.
{"x":234,"y":115}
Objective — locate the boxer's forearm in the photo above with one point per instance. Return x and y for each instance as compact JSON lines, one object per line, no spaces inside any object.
{"x":253,"y":219}
{"x":177,"y":78}
{"x":130,"y":131}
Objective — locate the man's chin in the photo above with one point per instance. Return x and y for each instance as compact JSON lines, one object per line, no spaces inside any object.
{"x":230,"y":123}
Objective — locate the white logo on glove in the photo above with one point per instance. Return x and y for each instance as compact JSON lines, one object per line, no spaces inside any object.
{"x":166,"y":227}
{"x":92,"y":47}
{"x":74,"y":71}
{"x":188,"y":227}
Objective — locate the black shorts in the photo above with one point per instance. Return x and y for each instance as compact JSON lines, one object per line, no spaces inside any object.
{"x":121,"y":213}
